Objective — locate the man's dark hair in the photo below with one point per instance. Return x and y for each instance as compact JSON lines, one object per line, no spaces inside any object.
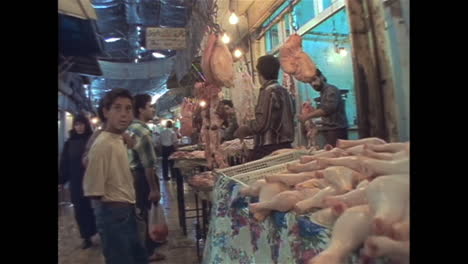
{"x":85,"y":121}
{"x":228,"y":103}
{"x":111,"y":96}
{"x":100,"y":111}
{"x":320,"y":74}
{"x":140,"y":101}
{"x":268,"y":66}
{"x":169,"y":124}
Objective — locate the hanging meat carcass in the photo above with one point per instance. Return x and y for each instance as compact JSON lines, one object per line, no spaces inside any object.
{"x":187,"y":110}
{"x":222,"y":65}
{"x":206,"y":58}
{"x":217,"y":66}
{"x":243,"y":97}
{"x":295,"y":61}
{"x":288,"y":53}
{"x":306,"y":68}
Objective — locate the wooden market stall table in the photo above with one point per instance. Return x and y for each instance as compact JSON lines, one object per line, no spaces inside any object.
{"x":234,"y":236}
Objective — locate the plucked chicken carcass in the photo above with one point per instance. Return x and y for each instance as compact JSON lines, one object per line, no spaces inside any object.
{"x":388,"y":197}
{"x":316,"y":201}
{"x":187,"y":110}
{"x":353,"y":198}
{"x":313,"y":183}
{"x":401,"y":229}
{"x":378,"y":246}
{"x":333,"y":153}
{"x":206,"y":58}
{"x":309,"y":166}
{"x":288,"y":52}
{"x":390,"y":147}
{"x":351,"y":162}
{"x":295,"y":61}
{"x":326,"y":217}
{"x":288,"y":150}
{"x":356,"y":150}
{"x":266,"y":192}
{"x":349,"y":232}
{"x":291,"y":179}
{"x":253,"y":189}
{"x":217,"y":66}
{"x":306,"y":68}
{"x":385,"y":155}
{"x":373,"y":167}
{"x":222,"y":65}
{"x":342,"y":178}
{"x":345,"y":144}
{"x":283,"y":202}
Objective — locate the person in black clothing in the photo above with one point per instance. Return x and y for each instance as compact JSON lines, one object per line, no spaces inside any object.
{"x":72,"y":170}
{"x":230,"y":121}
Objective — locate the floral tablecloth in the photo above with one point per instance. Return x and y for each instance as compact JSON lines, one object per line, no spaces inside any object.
{"x":234,"y":236}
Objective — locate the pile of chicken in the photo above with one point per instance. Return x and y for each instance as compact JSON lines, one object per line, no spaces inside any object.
{"x":360,"y":189}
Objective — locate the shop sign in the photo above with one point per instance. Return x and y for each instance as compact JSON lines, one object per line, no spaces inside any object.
{"x":165,"y":38}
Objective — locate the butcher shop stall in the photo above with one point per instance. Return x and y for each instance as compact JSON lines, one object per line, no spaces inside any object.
{"x":313,"y":203}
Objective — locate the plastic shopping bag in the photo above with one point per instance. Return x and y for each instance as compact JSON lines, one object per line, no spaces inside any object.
{"x":157,"y":228}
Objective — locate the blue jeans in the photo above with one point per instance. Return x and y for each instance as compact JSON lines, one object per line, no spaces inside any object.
{"x":119,"y":234}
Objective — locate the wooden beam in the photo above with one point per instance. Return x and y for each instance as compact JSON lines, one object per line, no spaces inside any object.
{"x":367,"y":87}
{"x":387,"y":85}
{"x":260,"y":11}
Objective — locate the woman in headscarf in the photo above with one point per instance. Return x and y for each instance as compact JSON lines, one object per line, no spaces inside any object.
{"x":72,"y":170}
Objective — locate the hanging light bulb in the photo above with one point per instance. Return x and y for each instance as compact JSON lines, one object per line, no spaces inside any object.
{"x":233,"y":19}
{"x":343,"y":52}
{"x":202,"y":103}
{"x":237,"y":53}
{"x":226,"y":39}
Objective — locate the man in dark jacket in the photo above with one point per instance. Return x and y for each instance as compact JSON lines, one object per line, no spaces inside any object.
{"x":331,"y":110}
{"x":273,"y":126}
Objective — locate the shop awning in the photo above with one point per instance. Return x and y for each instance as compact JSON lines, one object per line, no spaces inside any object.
{"x":77,"y":8}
